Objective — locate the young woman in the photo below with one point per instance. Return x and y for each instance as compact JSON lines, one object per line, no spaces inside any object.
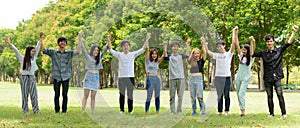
{"x":126,"y":71}
{"x":91,"y":79}
{"x":242,"y":78}
{"x":153,"y":82}
{"x":196,"y":60}
{"x":28,"y":80}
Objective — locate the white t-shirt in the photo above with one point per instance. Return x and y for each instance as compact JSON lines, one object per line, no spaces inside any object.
{"x":223,"y":61}
{"x":126,"y":62}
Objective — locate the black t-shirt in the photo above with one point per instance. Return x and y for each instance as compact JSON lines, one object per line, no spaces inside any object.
{"x":198,"y":68}
{"x":272,"y":62}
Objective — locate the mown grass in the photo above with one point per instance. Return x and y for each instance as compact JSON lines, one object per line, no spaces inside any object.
{"x":11,"y":114}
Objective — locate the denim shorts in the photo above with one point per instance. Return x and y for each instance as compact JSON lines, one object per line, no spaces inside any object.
{"x":91,"y":81}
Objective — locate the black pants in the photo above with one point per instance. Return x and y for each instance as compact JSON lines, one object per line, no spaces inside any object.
{"x":278,"y":89}
{"x":65,"y":88}
{"x":126,"y":83}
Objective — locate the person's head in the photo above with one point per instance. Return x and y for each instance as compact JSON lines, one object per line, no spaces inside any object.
{"x":125,"y":45}
{"x":195,"y":56}
{"x":270,"y":41}
{"x":175,"y":46}
{"x":153,"y":55}
{"x":62,"y":42}
{"x":196,"y":53}
{"x":221,"y":46}
{"x":95,"y":53}
{"x":246,"y":52}
{"x":29,"y":53}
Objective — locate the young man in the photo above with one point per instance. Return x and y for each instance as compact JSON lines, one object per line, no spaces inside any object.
{"x":176,"y":75}
{"x":272,"y":61}
{"x":61,"y":70}
{"x":126,"y":71}
{"x":223,"y":73}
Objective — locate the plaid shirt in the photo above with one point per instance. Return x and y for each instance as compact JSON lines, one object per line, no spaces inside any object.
{"x":61,"y":63}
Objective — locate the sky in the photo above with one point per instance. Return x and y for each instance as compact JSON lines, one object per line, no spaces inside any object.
{"x":13,"y":11}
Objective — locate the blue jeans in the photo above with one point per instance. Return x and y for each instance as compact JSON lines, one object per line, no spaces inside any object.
{"x":223,"y":88}
{"x":153,"y":83}
{"x":196,"y":91}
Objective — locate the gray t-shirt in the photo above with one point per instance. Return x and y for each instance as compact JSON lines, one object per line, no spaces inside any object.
{"x":151,"y":67}
{"x":176,"y":65}
{"x":90,"y":61}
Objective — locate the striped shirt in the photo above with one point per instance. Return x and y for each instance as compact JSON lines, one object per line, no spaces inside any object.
{"x":61,"y":63}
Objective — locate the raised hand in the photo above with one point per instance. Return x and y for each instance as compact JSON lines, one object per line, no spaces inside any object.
{"x":148,"y":37}
{"x":79,"y":36}
{"x":235,"y":29}
{"x":295,"y":28}
{"x":251,"y":38}
{"x":6,"y":39}
{"x":41,"y":34}
{"x":108,"y":41}
{"x":166,"y":43}
{"x":188,"y":42}
{"x":202,"y":40}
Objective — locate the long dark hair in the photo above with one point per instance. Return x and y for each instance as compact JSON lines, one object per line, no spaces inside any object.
{"x":27,"y":58}
{"x":151,"y":52}
{"x":97,"y":58}
{"x":246,"y":46}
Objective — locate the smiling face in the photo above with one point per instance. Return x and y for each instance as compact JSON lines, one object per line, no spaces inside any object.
{"x":244,"y":51}
{"x":126,"y":47}
{"x":196,"y":54}
{"x":62,"y":44}
{"x":32,"y":52}
{"x":221,"y":48}
{"x":270,"y":44}
{"x":96,"y":52}
{"x":154,"y":55}
{"x":175,"y":48}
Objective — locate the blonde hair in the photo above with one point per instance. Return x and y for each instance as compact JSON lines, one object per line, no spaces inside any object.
{"x":193,"y":61}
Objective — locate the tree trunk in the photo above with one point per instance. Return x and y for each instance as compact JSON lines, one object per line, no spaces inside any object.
{"x":232,"y":73}
{"x":262,"y":84}
{"x":287,"y":74}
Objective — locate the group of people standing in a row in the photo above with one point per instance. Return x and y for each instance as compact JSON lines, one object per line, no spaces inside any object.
{"x":61,"y":72}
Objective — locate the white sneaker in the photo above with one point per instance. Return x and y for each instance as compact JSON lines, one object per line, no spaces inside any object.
{"x":121,"y":112}
{"x":131,"y":112}
{"x":284,"y":116}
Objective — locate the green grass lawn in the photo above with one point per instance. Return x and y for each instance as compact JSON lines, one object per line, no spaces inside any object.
{"x":107,"y":114}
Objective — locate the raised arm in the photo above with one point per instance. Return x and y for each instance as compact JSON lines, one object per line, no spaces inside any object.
{"x":187,"y":49}
{"x":105,"y":47}
{"x":79,"y":41}
{"x":165,"y":51}
{"x":109,"y":41}
{"x":291,"y":39}
{"x":252,"y":45}
{"x":20,"y":57}
{"x":42,"y":44}
{"x":147,"y":48}
{"x":203,"y":48}
{"x":233,"y":39}
{"x":78,"y":45}
{"x":146,"y":44}
{"x":210,"y":53}
{"x":38,"y":45}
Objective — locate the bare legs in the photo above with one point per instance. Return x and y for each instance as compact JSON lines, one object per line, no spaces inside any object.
{"x":85,"y":97}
